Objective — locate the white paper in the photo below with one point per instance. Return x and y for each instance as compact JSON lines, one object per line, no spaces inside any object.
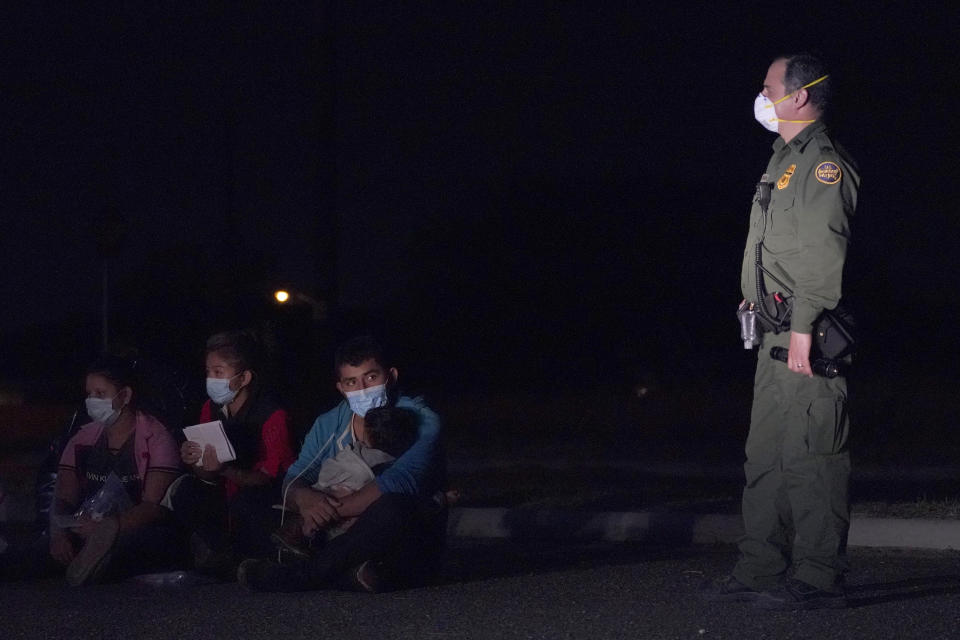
{"x":211,"y":433}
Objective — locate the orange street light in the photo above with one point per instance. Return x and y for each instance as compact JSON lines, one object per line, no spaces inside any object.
{"x":318,"y":308}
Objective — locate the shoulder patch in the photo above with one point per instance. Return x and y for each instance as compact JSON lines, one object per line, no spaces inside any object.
{"x":828,"y":172}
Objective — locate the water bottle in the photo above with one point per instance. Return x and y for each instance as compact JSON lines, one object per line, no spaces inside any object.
{"x":174,"y":579}
{"x":748,"y":325}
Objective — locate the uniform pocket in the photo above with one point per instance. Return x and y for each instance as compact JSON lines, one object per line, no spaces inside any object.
{"x":827,"y":425}
{"x":781,"y":231}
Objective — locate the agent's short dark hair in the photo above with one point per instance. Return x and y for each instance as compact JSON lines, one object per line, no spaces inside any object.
{"x":240,"y":349}
{"x":804,"y":68}
{"x":356,"y":350}
{"x":391,"y":429}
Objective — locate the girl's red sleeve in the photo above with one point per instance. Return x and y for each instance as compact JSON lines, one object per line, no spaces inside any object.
{"x":276,"y":454}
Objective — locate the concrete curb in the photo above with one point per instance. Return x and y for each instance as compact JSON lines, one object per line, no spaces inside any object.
{"x":916,"y":533}
{"x":642,"y":526}
{"x":619,"y":526}
{"x":679,"y":528}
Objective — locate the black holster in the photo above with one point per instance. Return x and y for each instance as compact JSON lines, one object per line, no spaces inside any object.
{"x":833,"y":331}
{"x":773,"y":313}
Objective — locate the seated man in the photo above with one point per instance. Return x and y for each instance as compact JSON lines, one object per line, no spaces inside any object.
{"x":398,"y":536}
{"x":390,"y":431}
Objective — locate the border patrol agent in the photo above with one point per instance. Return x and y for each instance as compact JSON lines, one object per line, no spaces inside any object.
{"x":796,"y":508}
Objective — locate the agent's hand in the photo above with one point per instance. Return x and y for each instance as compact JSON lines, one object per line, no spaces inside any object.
{"x":61,"y":548}
{"x":798,"y":358}
{"x":317,"y":510}
{"x":190,"y":452}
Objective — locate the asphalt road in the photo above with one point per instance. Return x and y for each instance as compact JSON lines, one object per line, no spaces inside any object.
{"x":504,"y":589}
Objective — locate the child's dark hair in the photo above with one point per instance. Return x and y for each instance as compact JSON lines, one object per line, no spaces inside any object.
{"x":390,"y":429}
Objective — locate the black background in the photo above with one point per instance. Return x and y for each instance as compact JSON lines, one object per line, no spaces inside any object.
{"x":515,"y":195}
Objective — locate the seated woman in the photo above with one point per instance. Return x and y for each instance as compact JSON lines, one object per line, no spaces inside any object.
{"x":125,"y":446}
{"x":227,"y":506}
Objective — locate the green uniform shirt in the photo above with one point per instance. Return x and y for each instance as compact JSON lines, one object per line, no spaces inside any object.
{"x":807,"y":225}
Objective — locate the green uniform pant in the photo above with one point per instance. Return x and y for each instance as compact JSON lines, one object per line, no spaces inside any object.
{"x":796,"y":506}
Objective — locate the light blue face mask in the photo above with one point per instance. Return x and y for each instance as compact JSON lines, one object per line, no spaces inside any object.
{"x":101,"y":409}
{"x":363,"y":400}
{"x":219,"y":390}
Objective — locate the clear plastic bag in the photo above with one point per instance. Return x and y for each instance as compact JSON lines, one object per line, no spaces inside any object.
{"x":110,"y":499}
{"x":175,"y":579}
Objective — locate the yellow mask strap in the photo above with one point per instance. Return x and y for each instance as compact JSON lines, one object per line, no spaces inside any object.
{"x":820,"y":79}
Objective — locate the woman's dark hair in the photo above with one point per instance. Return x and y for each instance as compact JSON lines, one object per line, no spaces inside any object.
{"x":391,"y":429}
{"x":239,"y":348}
{"x":120,"y":372}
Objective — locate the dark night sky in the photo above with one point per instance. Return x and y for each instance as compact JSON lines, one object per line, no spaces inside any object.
{"x":552,"y":185}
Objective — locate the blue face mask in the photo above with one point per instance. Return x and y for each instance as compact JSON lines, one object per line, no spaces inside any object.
{"x":363,"y":400}
{"x":219,"y":390}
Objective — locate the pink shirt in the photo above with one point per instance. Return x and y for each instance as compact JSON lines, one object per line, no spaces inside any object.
{"x":153,"y":446}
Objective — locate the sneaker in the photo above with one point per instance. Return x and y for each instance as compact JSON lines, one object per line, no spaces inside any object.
{"x":286,"y":557}
{"x":267,"y":575}
{"x":90,"y":563}
{"x":290,"y":539}
{"x":727,"y":589}
{"x":209,"y":561}
{"x":795,"y":595}
{"x":363,"y":578}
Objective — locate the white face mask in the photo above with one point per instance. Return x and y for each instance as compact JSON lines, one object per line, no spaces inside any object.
{"x":363,"y":400}
{"x":764,"y":113}
{"x":101,"y":409}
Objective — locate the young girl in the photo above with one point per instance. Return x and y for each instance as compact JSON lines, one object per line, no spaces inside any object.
{"x":122,"y":443}
{"x":227,"y":505}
